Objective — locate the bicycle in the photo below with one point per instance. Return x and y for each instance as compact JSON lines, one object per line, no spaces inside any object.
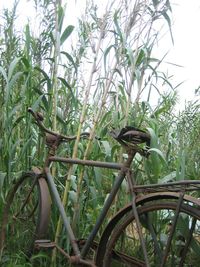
{"x":134,"y":236}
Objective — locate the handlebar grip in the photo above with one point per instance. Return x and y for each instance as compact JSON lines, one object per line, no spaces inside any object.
{"x":30,"y":110}
{"x":36,"y":115}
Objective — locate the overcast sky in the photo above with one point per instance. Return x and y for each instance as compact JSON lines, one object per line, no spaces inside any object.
{"x":184,"y":52}
{"x":186,"y":48}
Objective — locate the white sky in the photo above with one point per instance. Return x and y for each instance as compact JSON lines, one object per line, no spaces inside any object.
{"x":186,"y":49}
{"x":184,"y":52}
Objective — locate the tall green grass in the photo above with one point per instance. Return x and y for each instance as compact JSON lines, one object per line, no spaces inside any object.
{"x":93,"y":77}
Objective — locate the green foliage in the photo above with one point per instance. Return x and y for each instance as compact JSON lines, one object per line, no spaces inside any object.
{"x":109,"y":73}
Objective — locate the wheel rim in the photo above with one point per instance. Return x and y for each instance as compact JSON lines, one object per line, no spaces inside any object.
{"x":124,"y":247}
{"x":21,"y":216}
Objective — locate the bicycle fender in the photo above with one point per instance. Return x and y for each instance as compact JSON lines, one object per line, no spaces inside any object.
{"x":140,"y":200}
{"x":45,"y":208}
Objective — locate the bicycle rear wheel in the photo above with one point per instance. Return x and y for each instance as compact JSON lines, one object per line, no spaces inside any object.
{"x":25,"y":215}
{"x":124,"y":248}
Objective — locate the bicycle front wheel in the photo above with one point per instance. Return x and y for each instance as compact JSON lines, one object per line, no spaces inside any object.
{"x":25,"y":216}
{"x":124,"y":246}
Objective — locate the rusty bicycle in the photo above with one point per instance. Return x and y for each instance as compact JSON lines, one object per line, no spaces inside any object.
{"x":160,"y":227}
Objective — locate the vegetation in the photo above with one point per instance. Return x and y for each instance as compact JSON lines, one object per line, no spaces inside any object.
{"x":97,"y":75}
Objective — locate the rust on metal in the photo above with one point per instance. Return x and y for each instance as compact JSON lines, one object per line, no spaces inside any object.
{"x":188,"y":241}
{"x":109,"y":165}
{"x":45,"y":209}
{"x":184,"y":185}
{"x":140,"y":200}
{"x":51,"y":139}
{"x":172,"y":229}
{"x":130,"y":138}
{"x":44,"y":244}
{"x":131,"y":260}
{"x":137,"y":220}
{"x":167,"y":195}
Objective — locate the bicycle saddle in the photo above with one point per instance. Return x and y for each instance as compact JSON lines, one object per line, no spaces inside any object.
{"x":130,"y":134}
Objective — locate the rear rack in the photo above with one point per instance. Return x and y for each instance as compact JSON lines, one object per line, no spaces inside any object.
{"x":184,"y":185}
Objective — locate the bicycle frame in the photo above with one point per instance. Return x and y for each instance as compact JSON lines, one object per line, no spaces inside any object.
{"x":123,"y":168}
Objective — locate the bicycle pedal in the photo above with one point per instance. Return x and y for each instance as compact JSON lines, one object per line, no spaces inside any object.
{"x":44,"y":243}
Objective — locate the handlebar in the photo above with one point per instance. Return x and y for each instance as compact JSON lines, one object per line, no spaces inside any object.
{"x":39,"y":118}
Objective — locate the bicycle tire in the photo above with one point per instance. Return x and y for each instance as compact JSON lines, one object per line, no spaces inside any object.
{"x":25,"y":216}
{"x":124,"y":249}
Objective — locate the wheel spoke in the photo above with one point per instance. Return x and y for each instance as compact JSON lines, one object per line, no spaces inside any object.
{"x":172,"y":230}
{"x":21,"y":222}
{"x":156,"y":218}
{"x":188,"y":241}
{"x":126,"y":259}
